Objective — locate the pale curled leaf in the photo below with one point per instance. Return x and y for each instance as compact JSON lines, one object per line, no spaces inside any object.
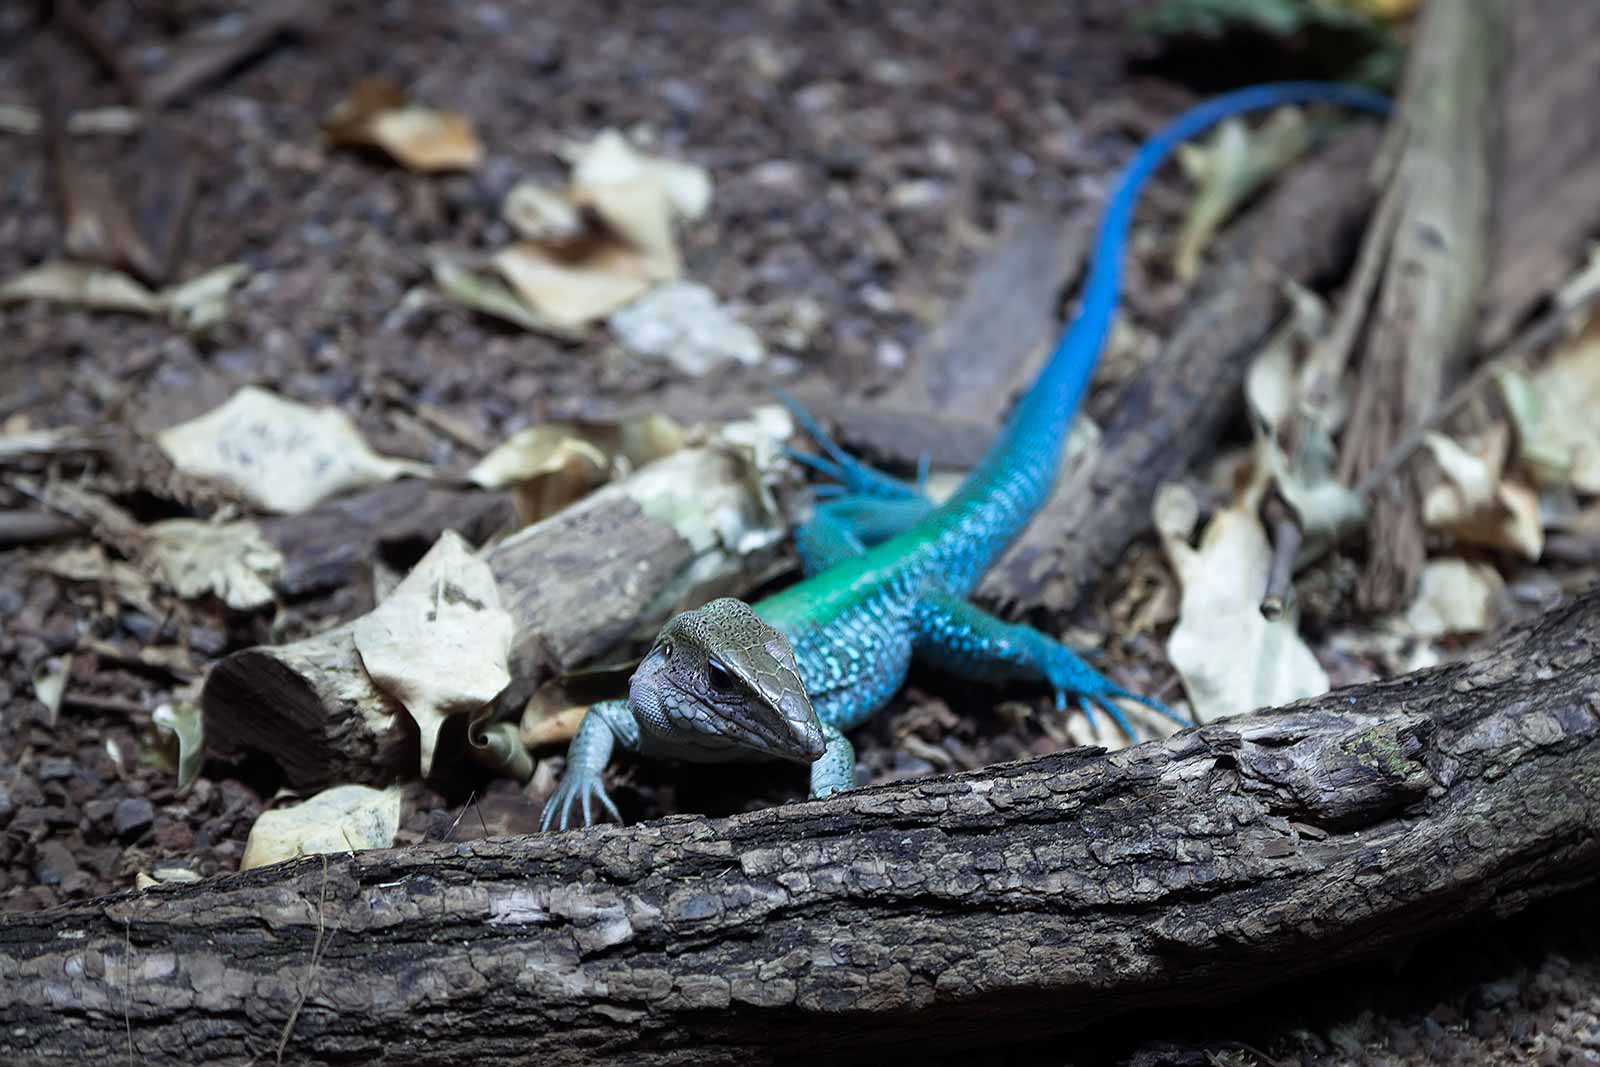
{"x":182,"y":721}
{"x":683,"y":324}
{"x":553,"y":464}
{"x":202,"y":302}
{"x":1554,"y":409}
{"x":1230,"y":657}
{"x":83,"y":286}
{"x":346,"y":818}
{"x":439,"y":644}
{"x":543,"y":215}
{"x":491,"y":297}
{"x":378,"y":114}
{"x":498,"y":748}
{"x":1229,"y":166}
{"x":574,"y":294}
{"x":231,"y":560}
{"x":50,"y":683}
{"x":195,"y":305}
{"x":610,"y":160}
{"x":1474,"y":503}
{"x":1455,"y":596}
{"x":281,"y":455}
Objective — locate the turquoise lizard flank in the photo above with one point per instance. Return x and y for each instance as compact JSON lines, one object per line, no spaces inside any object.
{"x":887,"y":572}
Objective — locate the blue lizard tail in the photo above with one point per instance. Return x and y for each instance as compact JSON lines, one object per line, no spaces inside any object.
{"x":994,"y":504}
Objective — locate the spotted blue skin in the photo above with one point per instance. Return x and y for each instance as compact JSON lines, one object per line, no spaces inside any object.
{"x":887,"y":571}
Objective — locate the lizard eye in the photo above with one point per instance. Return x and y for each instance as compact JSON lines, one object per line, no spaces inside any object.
{"x":720,"y":678}
{"x":666,"y":651}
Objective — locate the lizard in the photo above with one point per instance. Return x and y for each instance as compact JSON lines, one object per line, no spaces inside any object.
{"x":886,"y":572}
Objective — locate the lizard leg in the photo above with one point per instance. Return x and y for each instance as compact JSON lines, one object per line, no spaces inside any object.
{"x":606,"y":725}
{"x":836,"y":770}
{"x":848,"y":525}
{"x":854,"y":477}
{"x":956,"y":636}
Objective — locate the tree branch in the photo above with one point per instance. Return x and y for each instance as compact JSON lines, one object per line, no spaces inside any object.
{"x":1031,"y":898}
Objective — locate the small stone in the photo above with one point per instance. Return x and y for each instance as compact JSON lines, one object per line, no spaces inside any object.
{"x":133,"y":817}
{"x":174,"y":837}
{"x":100,"y":809}
{"x":55,"y":769}
{"x":53,"y":863}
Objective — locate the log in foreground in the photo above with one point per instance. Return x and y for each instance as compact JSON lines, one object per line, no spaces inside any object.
{"x":1022,"y":901}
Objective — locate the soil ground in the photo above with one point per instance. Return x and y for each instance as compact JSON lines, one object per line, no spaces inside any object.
{"x":864,"y":157}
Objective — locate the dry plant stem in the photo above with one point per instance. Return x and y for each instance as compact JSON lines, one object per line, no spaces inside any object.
{"x":199,"y":62}
{"x":79,"y":24}
{"x":1028,"y":899}
{"x":1287,"y":538}
{"x":1438,"y":154}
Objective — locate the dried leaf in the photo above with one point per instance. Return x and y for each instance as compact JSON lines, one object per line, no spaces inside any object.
{"x":439,"y":644}
{"x":346,"y":818}
{"x":1554,"y":412}
{"x":89,"y":563}
{"x":1229,"y":166}
{"x":610,"y":160}
{"x":541,"y":727}
{"x":1474,"y":504}
{"x":1455,"y":596}
{"x":202,"y":302}
{"x":574,"y":294}
{"x":82,"y":286}
{"x":1230,"y":657}
{"x":377,"y":114}
{"x":281,"y":455}
{"x":554,"y":464}
{"x":640,"y":215}
{"x":683,"y":324}
{"x":498,"y":748}
{"x":542,"y":215}
{"x":50,"y":683}
{"x":231,"y":560}
{"x":489,"y":296}
{"x":194,"y":305}
{"x":182,"y":721}
{"x":1276,"y":390}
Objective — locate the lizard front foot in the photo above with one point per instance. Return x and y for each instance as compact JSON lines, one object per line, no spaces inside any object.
{"x":576,"y":790}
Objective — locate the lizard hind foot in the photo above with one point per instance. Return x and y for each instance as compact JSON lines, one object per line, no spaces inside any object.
{"x":1070,"y":675}
{"x":852,"y":476}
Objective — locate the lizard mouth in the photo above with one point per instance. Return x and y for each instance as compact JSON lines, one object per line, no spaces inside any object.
{"x":663,"y":708}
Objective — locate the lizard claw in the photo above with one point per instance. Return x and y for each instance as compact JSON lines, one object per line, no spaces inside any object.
{"x":1069,"y":674}
{"x":856,"y":477}
{"x":581,"y":791}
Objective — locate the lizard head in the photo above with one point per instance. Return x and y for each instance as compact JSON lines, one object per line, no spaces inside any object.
{"x":720,"y":678}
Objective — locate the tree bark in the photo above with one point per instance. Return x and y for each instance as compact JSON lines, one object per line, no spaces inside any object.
{"x":1439,"y":162}
{"x":1025,"y":900}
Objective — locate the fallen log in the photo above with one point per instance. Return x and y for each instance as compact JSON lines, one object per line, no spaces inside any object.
{"x":1027,"y":900}
{"x":696,"y":524}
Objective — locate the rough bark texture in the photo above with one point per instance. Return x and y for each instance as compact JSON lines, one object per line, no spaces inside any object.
{"x":1170,"y":414}
{"x":1027,"y":899}
{"x":324,"y":548}
{"x":679,"y":531}
{"x":1440,"y":157}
